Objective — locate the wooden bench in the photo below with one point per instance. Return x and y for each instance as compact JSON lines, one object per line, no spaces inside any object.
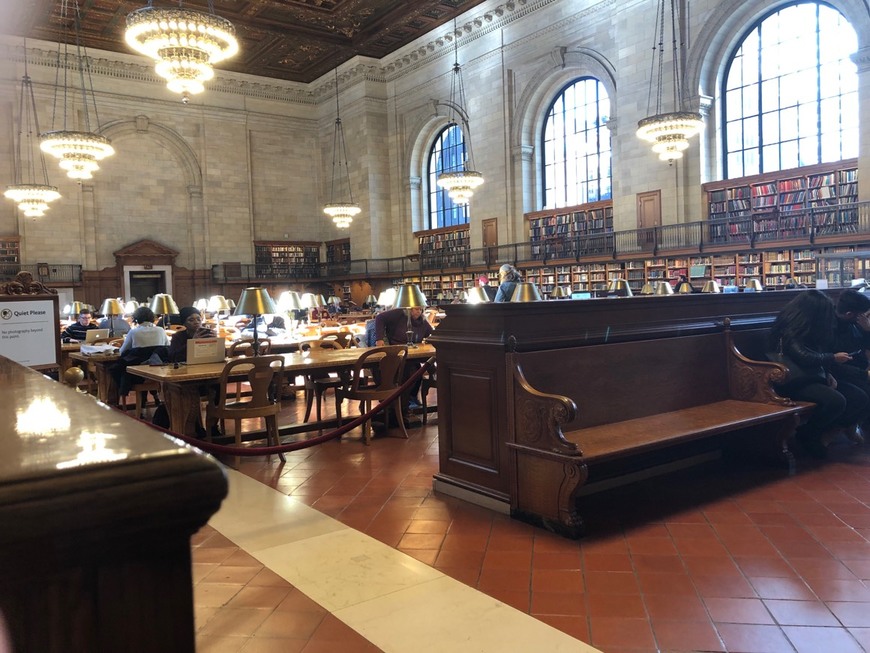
{"x":642,"y":402}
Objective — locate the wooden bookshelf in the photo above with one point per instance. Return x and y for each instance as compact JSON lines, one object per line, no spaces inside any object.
{"x":449,"y":244}
{"x":787,"y":204}
{"x":552,"y":232}
{"x":282,"y":258}
{"x":338,"y":251}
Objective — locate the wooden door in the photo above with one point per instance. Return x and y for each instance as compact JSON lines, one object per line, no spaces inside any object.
{"x":649,"y":215}
{"x":490,"y":239}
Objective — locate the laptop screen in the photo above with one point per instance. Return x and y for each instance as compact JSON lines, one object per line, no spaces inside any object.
{"x":205,"y":350}
{"x":96,"y":334}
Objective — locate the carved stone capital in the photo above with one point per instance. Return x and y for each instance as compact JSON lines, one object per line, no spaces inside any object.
{"x":523,"y":153}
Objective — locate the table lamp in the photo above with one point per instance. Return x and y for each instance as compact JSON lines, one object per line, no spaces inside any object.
{"x":162,"y":304}
{"x":686,"y":289}
{"x":332,"y":299}
{"x":255,"y":302}
{"x":619,"y":288}
{"x":526,"y":291}
{"x":218,"y":304}
{"x":648,"y":289}
{"x":387,"y":297}
{"x":753,"y":285}
{"x":288,"y":303}
{"x":711,"y":286}
{"x":559,"y":292}
{"x":111,"y":308}
{"x":201,"y":304}
{"x":74,"y":308}
{"x":410,"y":296}
{"x":664,"y":288}
{"x":477,"y":295}
{"x":370,"y":302}
{"x":130,"y":306}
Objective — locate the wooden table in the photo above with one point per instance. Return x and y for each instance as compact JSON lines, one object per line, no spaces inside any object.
{"x":180,"y":385}
{"x":107,"y":389}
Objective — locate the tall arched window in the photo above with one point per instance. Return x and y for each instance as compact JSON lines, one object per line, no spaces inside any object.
{"x":447,"y":153}
{"x":576,"y":145}
{"x":790,"y":92}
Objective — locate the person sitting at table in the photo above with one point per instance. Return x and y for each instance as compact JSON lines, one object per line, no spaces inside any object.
{"x":116,"y":323}
{"x":269,"y":325}
{"x":191,"y":319}
{"x":78,"y":329}
{"x":144,"y":341}
{"x":393,"y":326}
{"x":508,"y":277}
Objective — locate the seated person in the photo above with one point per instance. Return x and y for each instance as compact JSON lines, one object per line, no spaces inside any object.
{"x":77,"y":330}
{"x":268,"y":324}
{"x":116,"y":324}
{"x":143,"y":341}
{"x":508,"y":277}
{"x":392,"y":326}
{"x":191,"y":318}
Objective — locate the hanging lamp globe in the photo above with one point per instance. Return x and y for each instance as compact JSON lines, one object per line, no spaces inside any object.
{"x":342,"y":213}
{"x":78,"y":153}
{"x":185,"y":44}
{"x":460,"y":184}
{"x":32,"y":199}
{"x":669,"y":133}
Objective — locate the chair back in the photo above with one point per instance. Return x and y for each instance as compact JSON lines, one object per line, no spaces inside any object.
{"x":323,"y":343}
{"x":389,"y":362}
{"x":246,"y":347}
{"x":260,"y":373}
{"x":343,"y":338}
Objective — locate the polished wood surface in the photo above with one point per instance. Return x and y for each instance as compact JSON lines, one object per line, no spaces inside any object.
{"x":99,"y":365}
{"x":181,"y":385}
{"x":96,"y":514}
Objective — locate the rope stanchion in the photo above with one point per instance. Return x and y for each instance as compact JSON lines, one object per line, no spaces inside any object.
{"x":222,"y":449}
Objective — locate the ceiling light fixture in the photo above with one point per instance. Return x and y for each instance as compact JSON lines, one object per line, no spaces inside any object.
{"x":670,"y":132}
{"x":31,"y":196}
{"x":78,"y":151}
{"x":342,"y":213}
{"x":461,"y":183}
{"x":184,"y":43}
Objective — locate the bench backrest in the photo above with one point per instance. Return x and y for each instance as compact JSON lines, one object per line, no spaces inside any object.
{"x":619,"y":381}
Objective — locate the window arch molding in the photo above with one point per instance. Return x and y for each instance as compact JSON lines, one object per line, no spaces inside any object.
{"x":565,"y":66}
{"x":711,"y":48}
{"x":425,"y":131}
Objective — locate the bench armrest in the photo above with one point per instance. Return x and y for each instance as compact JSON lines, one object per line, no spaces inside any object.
{"x":752,"y":380}
{"x":539,"y":416}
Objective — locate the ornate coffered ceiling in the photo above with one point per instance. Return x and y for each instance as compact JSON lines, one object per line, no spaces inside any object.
{"x":295,"y":40}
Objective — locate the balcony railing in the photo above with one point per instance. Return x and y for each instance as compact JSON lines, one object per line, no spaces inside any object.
{"x":815,"y":226}
{"x":48,"y":273}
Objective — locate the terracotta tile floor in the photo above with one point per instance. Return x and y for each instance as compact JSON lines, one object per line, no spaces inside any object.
{"x":725,"y":557}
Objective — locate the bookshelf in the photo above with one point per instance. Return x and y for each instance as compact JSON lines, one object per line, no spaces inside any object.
{"x":551,"y":232}
{"x":282,"y":258}
{"x":450,"y":244}
{"x":10,"y":249}
{"x":338,"y":251}
{"x":788,"y":204}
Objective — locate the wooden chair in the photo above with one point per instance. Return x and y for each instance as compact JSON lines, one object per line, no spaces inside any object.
{"x":244,"y":348}
{"x":319,"y":381}
{"x":343,"y":338}
{"x":429,"y":381}
{"x":389,"y":363}
{"x":263,"y":402}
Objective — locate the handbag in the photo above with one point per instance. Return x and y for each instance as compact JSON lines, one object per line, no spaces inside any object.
{"x":796,"y":374}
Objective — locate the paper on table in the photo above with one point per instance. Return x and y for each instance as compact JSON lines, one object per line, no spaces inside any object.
{"x":101,"y":348}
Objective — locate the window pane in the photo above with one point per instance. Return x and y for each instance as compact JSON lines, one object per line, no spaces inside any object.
{"x":575,"y":145}
{"x":806,"y":80}
{"x":447,"y":154}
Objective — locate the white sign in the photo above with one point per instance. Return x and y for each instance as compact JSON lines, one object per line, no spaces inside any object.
{"x":29,"y":330}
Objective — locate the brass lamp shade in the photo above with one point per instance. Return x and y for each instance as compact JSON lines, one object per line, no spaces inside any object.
{"x":111,"y":307}
{"x":218,"y":304}
{"x":289,"y":301}
{"x":754,"y":285}
{"x":409,"y":295}
{"x":255,"y":301}
{"x":686,"y":289}
{"x":664,"y":288}
{"x":163,"y":304}
{"x":619,"y":288}
{"x":477,"y":295}
{"x":201,"y":304}
{"x":648,"y":289}
{"x":76,"y":307}
{"x":711,"y":286}
{"x":130,"y":306}
{"x":319,"y":300}
{"x":371,"y":300}
{"x":559,"y":292}
{"x":526,"y":292}
{"x":332,"y":299}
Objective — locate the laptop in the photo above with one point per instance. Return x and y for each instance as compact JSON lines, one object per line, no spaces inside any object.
{"x":96,"y":334}
{"x":205,"y":350}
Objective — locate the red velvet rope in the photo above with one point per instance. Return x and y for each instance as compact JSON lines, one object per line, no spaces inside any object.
{"x":212,"y":448}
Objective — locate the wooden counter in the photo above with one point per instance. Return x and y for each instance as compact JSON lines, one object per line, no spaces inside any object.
{"x":96,"y":514}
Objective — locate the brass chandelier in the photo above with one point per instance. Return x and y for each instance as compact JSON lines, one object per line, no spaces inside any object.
{"x":668,"y":132}
{"x":342,"y":213}
{"x":186,"y":44}
{"x":79,"y":152}
{"x":32,"y":195}
{"x":460,"y":184}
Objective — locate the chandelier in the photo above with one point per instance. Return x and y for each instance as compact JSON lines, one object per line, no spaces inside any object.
{"x":669,"y":133}
{"x":77,"y":151}
{"x":31,"y":197}
{"x":459,"y":184}
{"x":184,"y":43}
{"x":342,"y":213}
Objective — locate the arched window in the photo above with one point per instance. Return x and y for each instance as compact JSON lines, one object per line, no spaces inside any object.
{"x":576,"y":146}
{"x":447,"y":153}
{"x":790,"y":92}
